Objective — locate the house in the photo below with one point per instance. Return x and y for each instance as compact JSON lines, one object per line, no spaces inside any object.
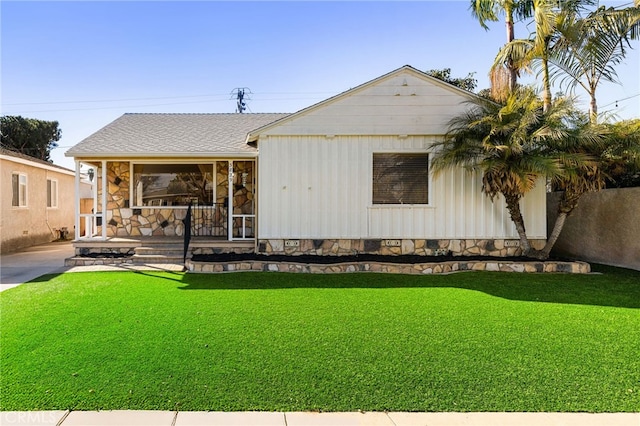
{"x":347,"y":175}
{"x":37,"y":201}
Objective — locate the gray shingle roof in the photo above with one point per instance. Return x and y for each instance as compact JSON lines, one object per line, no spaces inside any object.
{"x":179,"y":135}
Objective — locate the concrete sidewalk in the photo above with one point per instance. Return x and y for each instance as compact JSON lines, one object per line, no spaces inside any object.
{"x":30,"y":263}
{"x":199,"y":418}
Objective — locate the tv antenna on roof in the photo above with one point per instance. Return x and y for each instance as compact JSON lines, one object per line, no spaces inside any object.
{"x":241,"y":94}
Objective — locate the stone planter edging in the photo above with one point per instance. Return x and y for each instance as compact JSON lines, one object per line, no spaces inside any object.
{"x":391,"y":268}
{"x":90,"y":261}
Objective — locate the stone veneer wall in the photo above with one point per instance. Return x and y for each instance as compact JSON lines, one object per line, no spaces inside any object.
{"x":147,"y":222}
{"x":123,"y":221}
{"x":421,"y":247}
{"x":243,"y":196}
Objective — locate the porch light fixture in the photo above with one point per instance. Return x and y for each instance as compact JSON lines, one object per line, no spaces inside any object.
{"x":91,"y":173}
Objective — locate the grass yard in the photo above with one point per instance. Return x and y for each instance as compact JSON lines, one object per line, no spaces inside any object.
{"x":269,"y":341}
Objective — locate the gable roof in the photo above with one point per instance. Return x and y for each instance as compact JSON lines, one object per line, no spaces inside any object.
{"x":32,"y":161}
{"x":406,"y":70}
{"x":173,"y":135}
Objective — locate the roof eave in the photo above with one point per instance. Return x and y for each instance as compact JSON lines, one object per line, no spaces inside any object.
{"x":162,"y":155}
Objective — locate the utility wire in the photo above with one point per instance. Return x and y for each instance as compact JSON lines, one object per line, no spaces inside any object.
{"x":620,"y":100}
{"x":110,"y":100}
{"x":131,"y":107}
{"x":154,"y":98}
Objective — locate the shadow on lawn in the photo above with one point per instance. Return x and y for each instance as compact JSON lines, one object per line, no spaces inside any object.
{"x":613,"y":287}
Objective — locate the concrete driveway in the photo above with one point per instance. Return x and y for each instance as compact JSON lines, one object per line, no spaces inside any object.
{"x":25,"y":265}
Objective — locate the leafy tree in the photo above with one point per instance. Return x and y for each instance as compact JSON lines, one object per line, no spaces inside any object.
{"x":620,"y":159}
{"x":29,"y":136}
{"x":467,"y":83}
{"x":508,"y":143}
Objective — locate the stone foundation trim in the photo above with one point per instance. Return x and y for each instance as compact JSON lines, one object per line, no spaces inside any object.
{"x":90,"y":261}
{"x":391,"y":268}
{"x":394,"y":247}
{"x":86,"y":251}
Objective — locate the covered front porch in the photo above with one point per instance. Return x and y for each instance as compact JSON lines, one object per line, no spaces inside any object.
{"x":136,"y":201}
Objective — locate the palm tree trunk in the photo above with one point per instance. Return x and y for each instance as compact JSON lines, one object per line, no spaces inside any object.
{"x":513,"y":76}
{"x":593,"y":109}
{"x":546,"y":82}
{"x":568,"y":202}
{"x":553,"y":237}
{"x":513,"y":206}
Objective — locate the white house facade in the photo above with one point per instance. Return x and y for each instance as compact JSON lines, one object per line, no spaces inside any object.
{"x":345,"y":176}
{"x":318,"y":177}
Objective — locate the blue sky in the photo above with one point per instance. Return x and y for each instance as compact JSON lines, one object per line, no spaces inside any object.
{"x":85,"y":63}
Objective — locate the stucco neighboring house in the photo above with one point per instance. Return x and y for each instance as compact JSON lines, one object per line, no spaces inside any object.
{"x":347,"y":175}
{"x":37,"y":201}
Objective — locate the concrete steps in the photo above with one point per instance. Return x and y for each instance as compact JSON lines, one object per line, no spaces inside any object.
{"x":159,"y":253}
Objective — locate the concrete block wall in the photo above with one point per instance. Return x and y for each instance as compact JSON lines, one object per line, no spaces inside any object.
{"x":604,"y":228}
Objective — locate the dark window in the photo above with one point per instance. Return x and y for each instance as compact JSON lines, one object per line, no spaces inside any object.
{"x":400,"y":178}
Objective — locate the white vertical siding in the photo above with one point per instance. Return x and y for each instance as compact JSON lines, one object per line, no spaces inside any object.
{"x":320,"y":187}
{"x":403,"y":103}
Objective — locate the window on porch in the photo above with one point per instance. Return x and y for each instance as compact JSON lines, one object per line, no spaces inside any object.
{"x":173,"y":184}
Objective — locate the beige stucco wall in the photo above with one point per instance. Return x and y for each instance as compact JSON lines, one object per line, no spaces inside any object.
{"x":604,"y":228}
{"x":36,"y":223}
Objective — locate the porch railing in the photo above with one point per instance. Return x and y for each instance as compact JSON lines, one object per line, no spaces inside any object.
{"x":209,"y":220}
{"x":187,"y":234}
{"x":91,"y":224}
{"x":243,"y":226}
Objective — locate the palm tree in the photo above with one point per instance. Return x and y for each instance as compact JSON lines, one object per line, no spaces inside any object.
{"x":579,"y":152}
{"x":507,"y":144}
{"x":589,"y":48}
{"x":489,"y":11}
{"x":578,"y":51}
{"x":548,"y":15}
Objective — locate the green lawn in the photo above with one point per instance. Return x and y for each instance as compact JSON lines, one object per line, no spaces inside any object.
{"x":268,"y":341}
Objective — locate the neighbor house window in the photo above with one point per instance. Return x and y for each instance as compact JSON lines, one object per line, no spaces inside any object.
{"x":52,"y":193}
{"x":19,"y":189}
{"x":173,"y":184}
{"x":400,"y":178}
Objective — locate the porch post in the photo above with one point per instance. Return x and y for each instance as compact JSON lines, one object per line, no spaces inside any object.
{"x":104,"y":199}
{"x":230,"y":204}
{"x":255,"y":205}
{"x":76,"y":231}
{"x":94,"y":210}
